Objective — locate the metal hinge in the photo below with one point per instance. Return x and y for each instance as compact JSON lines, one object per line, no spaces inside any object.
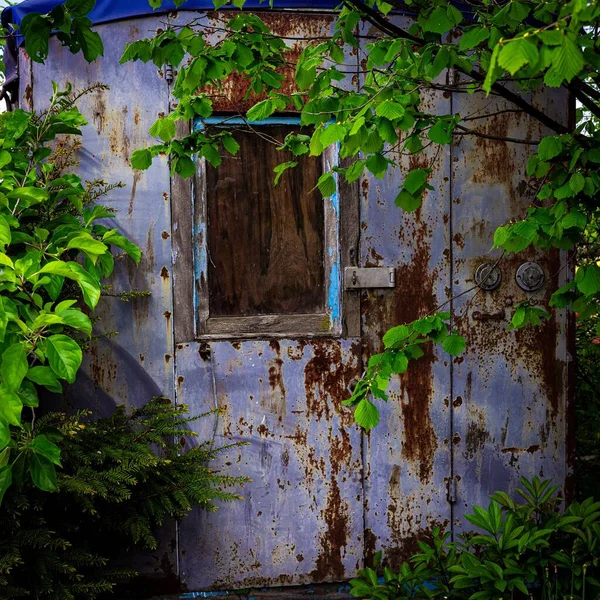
{"x":452,"y":490}
{"x":356,"y":278}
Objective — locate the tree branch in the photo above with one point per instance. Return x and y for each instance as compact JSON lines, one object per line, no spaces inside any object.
{"x":488,"y":136}
{"x":394,"y":31}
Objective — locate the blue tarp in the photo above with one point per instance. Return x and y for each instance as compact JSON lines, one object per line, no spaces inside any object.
{"x":115,"y":10}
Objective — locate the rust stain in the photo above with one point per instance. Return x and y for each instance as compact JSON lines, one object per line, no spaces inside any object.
{"x":136,"y":178}
{"x":330,"y":565}
{"x":164,"y":273}
{"x":326,"y":381}
{"x":165,"y":235}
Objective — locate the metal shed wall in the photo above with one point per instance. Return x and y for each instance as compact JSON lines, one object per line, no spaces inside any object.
{"x":324,"y":495}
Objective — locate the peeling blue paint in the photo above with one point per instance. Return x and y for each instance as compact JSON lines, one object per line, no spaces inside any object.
{"x":333,"y":301}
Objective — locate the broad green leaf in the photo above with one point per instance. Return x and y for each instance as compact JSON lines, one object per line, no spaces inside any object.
{"x":5,"y":158}
{"x":377,"y":164}
{"x":5,"y":234}
{"x":588,"y":280}
{"x":549,"y":148}
{"x":332,"y":133}
{"x":4,"y":433}
{"x":395,"y":335}
{"x":567,"y":62}
{"x":261,"y":110}
{"x":326,"y":184}
{"x":366,"y":414}
{"x":415,"y":180}
{"x":42,"y":445}
{"x":30,"y":195}
{"x":64,"y":356}
{"x":11,"y":407}
{"x":164,"y":128}
{"x":3,"y":320}
{"x":473,"y":37}
{"x":76,"y":319}
{"x":408,"y":202}
{"x":454,"y":344}
{"x":86,"y":243}
{"x":141,"y":159}
{"x":115,"y":239}
{"x":45,"y":377}
{"x":390,"y":110}
{"x":14,"y":366}
{"x":28,"y":394}
{"x":43,"y":473}
{"x":438,"y":21}
{"x":515,"y":54}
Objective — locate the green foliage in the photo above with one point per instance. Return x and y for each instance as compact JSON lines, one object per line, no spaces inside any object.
{"x":526,"y":550}
{"x":53,"y":257}
{"x":72,"y":27}
{"x":122,"y":476}
{"x":402,"y":344}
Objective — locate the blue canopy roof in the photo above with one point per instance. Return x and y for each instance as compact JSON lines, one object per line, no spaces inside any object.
{"x":115,"y":10}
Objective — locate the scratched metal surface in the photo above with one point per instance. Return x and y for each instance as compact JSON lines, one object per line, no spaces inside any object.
{"x":509,"y":388}
{"x":301,"y":520}
{"x":407,"y":457}
{"x":135,"y":365}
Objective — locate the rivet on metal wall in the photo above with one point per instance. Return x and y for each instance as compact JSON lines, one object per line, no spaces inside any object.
{"x":488,"y":276}
{"x":530,"y":277}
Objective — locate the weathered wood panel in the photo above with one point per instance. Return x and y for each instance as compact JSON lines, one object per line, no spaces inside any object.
{"x":265,"y":241}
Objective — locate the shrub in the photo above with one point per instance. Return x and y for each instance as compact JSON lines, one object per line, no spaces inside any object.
{"x":523,"y":550}
{"x":121,"y":477}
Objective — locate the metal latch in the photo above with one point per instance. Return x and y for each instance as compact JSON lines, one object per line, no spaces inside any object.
{"x":356,"y":278}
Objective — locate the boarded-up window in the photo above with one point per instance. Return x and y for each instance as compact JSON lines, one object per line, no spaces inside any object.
{"x":265,"y":243}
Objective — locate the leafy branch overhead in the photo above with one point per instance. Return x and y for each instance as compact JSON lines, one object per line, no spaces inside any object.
{"x":508,"y":49}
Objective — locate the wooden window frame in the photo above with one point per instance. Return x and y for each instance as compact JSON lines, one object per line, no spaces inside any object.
{"x":328,"y":323}
{"x":192,"y":320}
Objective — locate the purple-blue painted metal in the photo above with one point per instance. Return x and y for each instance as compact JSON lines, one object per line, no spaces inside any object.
{"x":323,"y":495}
{"x":301,"y":520}
{"x":510,"y":405}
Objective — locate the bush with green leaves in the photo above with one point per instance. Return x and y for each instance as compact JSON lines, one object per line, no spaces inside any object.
{"x":121,"y":477}
{"x":528,"y":549}
{"x":53,"y":257}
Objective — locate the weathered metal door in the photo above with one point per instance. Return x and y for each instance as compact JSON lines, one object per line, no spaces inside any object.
{"x":324,"y":495}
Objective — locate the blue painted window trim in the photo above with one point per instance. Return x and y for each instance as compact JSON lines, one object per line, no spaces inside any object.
{"x":332,"y":241}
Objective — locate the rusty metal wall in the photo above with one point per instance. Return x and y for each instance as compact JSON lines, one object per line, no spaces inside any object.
{"x":324,"y":496}
{"x":510,"y":389}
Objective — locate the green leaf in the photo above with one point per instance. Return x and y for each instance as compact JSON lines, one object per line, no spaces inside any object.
{"x":282,"y":168}
{"x":43,"y":473}
{"x":366,"y":414}
{"x":390,"y":110}
{"x":326,"y":184}
{"x":28,"y":394}
{"x":5,"y":158}
{"x":230,"y":144}
{"x":4,"y":434}
{"x":438,"y":21}
{"x":86,"y":243}
{"x":5,"y":480}
{"x":577,"y":182}
{"x":141,"y":159}
{"x":408,"y":202}
{"x":164,"y":128}
{"x":377,"y":164}
{"x":332,"y":133}
{"x":77,"y":320}
{"x":5,"y":235}
{"x":473,"y":37}
{"x":261,"y":110}
{"x":42,"y":445}
{"x":395,"y":335}
{"x":567,"y":62}
{"x":454,"y":344}
{"x":549,"y":148}
{"x":29,"y":194}
{"x":441,"y":132}
{"x":90,"y":41}
{"x":588,"y":279}
{"x":11,"y":407}
{"x":44,"y":376}
{"x":64,"y":356}
{"x":14,"y":366}
{"x":415,"y":180}
{"x":515,"y":54}
{"x":115,"y":239}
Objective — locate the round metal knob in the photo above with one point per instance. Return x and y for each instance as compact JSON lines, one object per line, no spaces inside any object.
{"x":488,"y":276}
{"x":530,"y":277}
